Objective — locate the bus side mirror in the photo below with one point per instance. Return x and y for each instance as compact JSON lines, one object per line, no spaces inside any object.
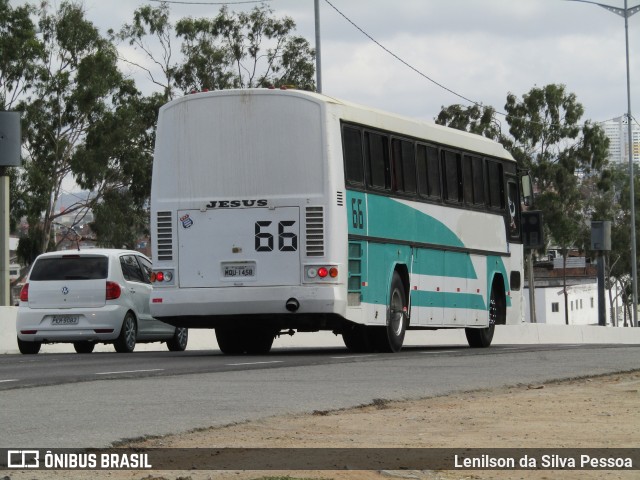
{"x":527,"y":190}
{"x":532,"y":230}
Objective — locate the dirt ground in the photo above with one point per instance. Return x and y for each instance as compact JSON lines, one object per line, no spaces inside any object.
{"x":597,"y":412}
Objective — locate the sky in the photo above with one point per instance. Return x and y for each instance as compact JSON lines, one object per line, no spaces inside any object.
{"x":480,"y":49}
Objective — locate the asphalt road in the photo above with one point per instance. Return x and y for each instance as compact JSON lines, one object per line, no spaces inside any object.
{"x":72,"y":400}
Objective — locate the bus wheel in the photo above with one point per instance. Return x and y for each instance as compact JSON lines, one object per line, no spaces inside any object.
{"x":230,"y":341}
{"x":356,"y":339}
{"x":482,"y":337}
{"x":391,"y":337}
{"x":259,"y":342}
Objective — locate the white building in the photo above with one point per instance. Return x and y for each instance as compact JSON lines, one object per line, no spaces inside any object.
{"x":582,"y":301}
{"x":618,"y":133}
{"x":582,"y":293}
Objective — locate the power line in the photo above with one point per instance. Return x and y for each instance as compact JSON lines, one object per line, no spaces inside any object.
{"x":405,"y":63}
{"x":210,"y":3}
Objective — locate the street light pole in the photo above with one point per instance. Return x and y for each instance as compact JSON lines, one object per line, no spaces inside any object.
{"x":626,"y":13}
{"x":318,"y":57}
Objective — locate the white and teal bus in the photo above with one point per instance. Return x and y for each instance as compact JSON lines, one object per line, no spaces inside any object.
{"x":278,"y":211}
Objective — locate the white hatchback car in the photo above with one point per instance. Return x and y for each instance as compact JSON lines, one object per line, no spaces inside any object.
{"x":92,"y":296}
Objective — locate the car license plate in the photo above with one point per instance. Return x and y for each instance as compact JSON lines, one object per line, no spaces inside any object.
{"x":65,"y":319}
{"x":239,"y":270}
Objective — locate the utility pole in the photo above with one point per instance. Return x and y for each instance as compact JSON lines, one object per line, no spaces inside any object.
{"x":318,"y":56}
{"x":9,"y":157}
{"x":627,"y":12}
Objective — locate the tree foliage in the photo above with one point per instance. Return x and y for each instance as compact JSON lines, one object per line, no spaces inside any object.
{"x":230,"y":50}
{"x":84,"y":121}
{"x":566,"y":159}
{"x":19,"y":49}
{"x":76,"y":110}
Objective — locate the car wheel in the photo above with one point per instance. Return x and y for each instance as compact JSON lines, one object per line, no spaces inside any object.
{"x":84,"y":347}
{"x":126,"y":341}
{"x":179,"y":341}
{"x":28,"y":348}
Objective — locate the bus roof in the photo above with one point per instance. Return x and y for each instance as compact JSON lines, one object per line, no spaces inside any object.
{"x":372,"y":117}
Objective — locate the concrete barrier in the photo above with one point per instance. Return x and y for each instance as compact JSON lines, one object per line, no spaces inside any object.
{"x":524,"y":334}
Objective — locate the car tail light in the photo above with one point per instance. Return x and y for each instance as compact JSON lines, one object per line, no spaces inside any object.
{"x":113,"y":291}
{"x":24,"y":293}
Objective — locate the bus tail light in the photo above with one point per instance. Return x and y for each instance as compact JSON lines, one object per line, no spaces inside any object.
{"x":320,"y":272}
{"x":162,"y":277}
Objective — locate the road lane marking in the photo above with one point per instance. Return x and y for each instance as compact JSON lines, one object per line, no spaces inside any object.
{"x":253,"y":363}
{"x":131,"y":371}
{"x":353,"y":356}
{"x":10,"y":380}
{"x":442,"y":351}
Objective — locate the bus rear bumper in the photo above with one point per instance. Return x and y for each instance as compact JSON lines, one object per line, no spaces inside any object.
{"x":212,"y":307}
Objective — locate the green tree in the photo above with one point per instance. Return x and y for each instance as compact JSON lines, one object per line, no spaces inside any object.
{"x":19,"y":48}
{"x":548,"y":140}
{"x":152,"y":33}
{"x":70,"y":103}
{"x":619,"y":264}
{"x":476,"y":119}
{"x":232,"y":50}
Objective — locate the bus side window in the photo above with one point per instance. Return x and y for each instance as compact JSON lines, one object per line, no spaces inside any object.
{"x":377,"y":158}
{"x":404,"y":166}
{"x":428,"y":171}
{"x":473,"y":180}
{"x":496,"y":185}
{"x":452,"y":176}
{"x":352,"y":151}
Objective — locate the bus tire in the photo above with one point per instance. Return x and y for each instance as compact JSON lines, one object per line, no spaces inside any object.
{"x":391,"y":337}
{"x":230,"y":341}
{"x":259,"y":342}
{"x":482,"y":337}
{"x":356,"y":339}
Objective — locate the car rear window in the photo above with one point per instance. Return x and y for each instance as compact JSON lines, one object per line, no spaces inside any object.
{"x":72,"y":267}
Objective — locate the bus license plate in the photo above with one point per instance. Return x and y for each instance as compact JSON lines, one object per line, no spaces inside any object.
{"x":245,"y":270}
{"x":65,"y":319}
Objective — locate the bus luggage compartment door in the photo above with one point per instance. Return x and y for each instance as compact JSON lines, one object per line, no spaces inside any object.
{"x":239,"y":247}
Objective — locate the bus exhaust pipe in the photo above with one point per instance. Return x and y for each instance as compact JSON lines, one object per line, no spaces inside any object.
{"x":292,"y":305}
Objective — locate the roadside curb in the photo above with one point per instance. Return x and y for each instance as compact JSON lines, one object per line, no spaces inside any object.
{"x":202,"y":339}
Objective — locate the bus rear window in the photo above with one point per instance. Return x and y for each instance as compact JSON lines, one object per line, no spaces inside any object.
{"x":70,"y":268}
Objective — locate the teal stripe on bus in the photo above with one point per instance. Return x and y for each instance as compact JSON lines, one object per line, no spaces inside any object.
{"x":396,"y":221}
